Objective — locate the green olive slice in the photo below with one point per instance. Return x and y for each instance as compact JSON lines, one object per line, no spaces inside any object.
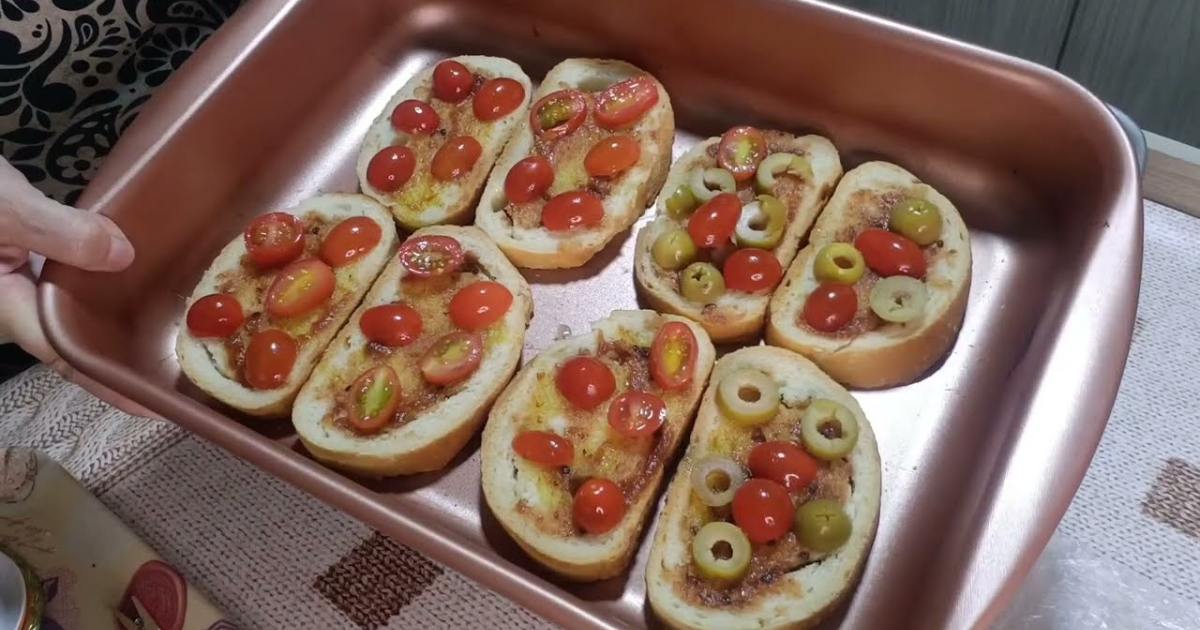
{"x":716,"y":479}
{"x":673,"y":249}
{"x":682,"y":202}
{"x":899,"y":299}
{"x":721,"y":551}
{"x":829,"y":430}
{"x":822,"y":525}
{"x":748,"y":397}
{"x":701,"y":282}
{"x":710,"y":182}
{"x":761,"y":223}
{"x":918,"y":219}
{"x":778,"y":163}
{"x":839,"y":262}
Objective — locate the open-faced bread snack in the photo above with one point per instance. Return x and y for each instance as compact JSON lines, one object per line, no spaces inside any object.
{"x":730,"y":218}
{"x":583,"y":167}
{"x":574,"y":450}
{"x":878,"y":295}
{"x":273,"y":298}
{"x":428,"y":153}
{"x":411,"y":376}
{"x":773,"y":510}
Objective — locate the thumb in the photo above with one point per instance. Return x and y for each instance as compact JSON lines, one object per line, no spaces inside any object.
{"x":33,"y":221}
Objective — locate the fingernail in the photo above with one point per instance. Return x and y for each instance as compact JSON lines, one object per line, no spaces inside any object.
{"x":120,"y":252}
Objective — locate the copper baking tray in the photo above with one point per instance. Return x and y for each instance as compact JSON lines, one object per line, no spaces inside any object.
{"x":980,"y":458}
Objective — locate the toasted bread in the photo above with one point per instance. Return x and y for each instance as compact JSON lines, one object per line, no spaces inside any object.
{"x":534,"y":504}
{"x":429,"y":437}
{"x":890,"y":354}
{"x":207,"y":362}
{"x":626,"y":197}
{"x":795,"y":594}
{"x":424,"y":200}
{"x":734,"y":316}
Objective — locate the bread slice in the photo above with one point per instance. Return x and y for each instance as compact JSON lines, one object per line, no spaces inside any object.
{"x":430,"y":437}
{"x":891,"y":354}
{"x":734,"y":316}
{"x":534,"y":246}
{"x":533,"y":504}
{"x":206,"y":362}
{"x":797,"y":598}
{"x":424,"y":200}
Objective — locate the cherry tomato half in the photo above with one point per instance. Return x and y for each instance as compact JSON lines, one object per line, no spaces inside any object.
{"x":479,"y":305}
{"x":891,"y":254}
{"x":830,"y":306}
{"x":274,"y":239}
{"x":455,"y":158}
{"x":498,"y":98}
{"x":752,"y":270}
{"x":599,"y":506}
{"x":349,"y":240}
{"x":740,"y":151}
{"x":375,"y":397}
{"x":623,"y":104}
{"x":216,"y":315}
{"x":585,"y":382}
{"x":433,"y":255}
{"x":270,"y":356}
{"x":528,"y":179}
{"x":299,"y":288}
{"x":415,"y":117}
{"x":558,"y":114}
{"x":571,"y":210}
{"x":391,"y":168}
{"x":713,"y":223}
{"x":612,"y":155}
{"x":763,"y":509}
{"x":784,"y":463}
{"x":452,"y":358}
{"x":452,"y":81}
{"x":392,"y":325}
{"x":545,"y":448}
{"x":673,"y":356}
{"x":636,"y":414}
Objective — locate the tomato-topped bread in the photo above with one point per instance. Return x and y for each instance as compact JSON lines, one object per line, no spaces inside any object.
{"x":575,"y":448}
{"x":730,"y":218}
{"x":878,"y":295}
{"x":583,"y":167}
{"x":428,"y":153}
{"x":273,"y":298}
{"x":773,"y":509}
{"x":410,"y":378}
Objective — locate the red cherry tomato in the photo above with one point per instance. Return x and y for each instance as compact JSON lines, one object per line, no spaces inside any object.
{"x":545,"y":448}
{"x":830,"y":307}
{"x":636,"y":414}
{"x":452,"y":81}
{"x":349,"y":240}
{"x":299,"y":288}
{"x":891,"y":254}
{"x":740,"y":151}
{"x":713,"y":223}
{"x":599,"y":506}
{"x":427,"y":256}
{"x":585,"y":382}
{"x":216,"y":315}
{"x":452,"y":358}
{"x":528,"y":179}
{"x":274,"y":239}
{"x":752,"y":270}
{"x":623,"y":104}
{"x":612,"y":155}
{"x":375,"y":397}
{"x":763,"y":509}
{"x":498,"y":98}
{"x":415,"y":117}
{"x":161,"y":592}
{"x":784,"y":463}
{"x":391,"y":168}
{"x":673,"y":356}
{"x":270,"y":356}
{"x":456,"y":158}
{"x":392,"y":325}
{"x":479,"y":305}
{"x":571,"y":210}
{"x":558,"y":114}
